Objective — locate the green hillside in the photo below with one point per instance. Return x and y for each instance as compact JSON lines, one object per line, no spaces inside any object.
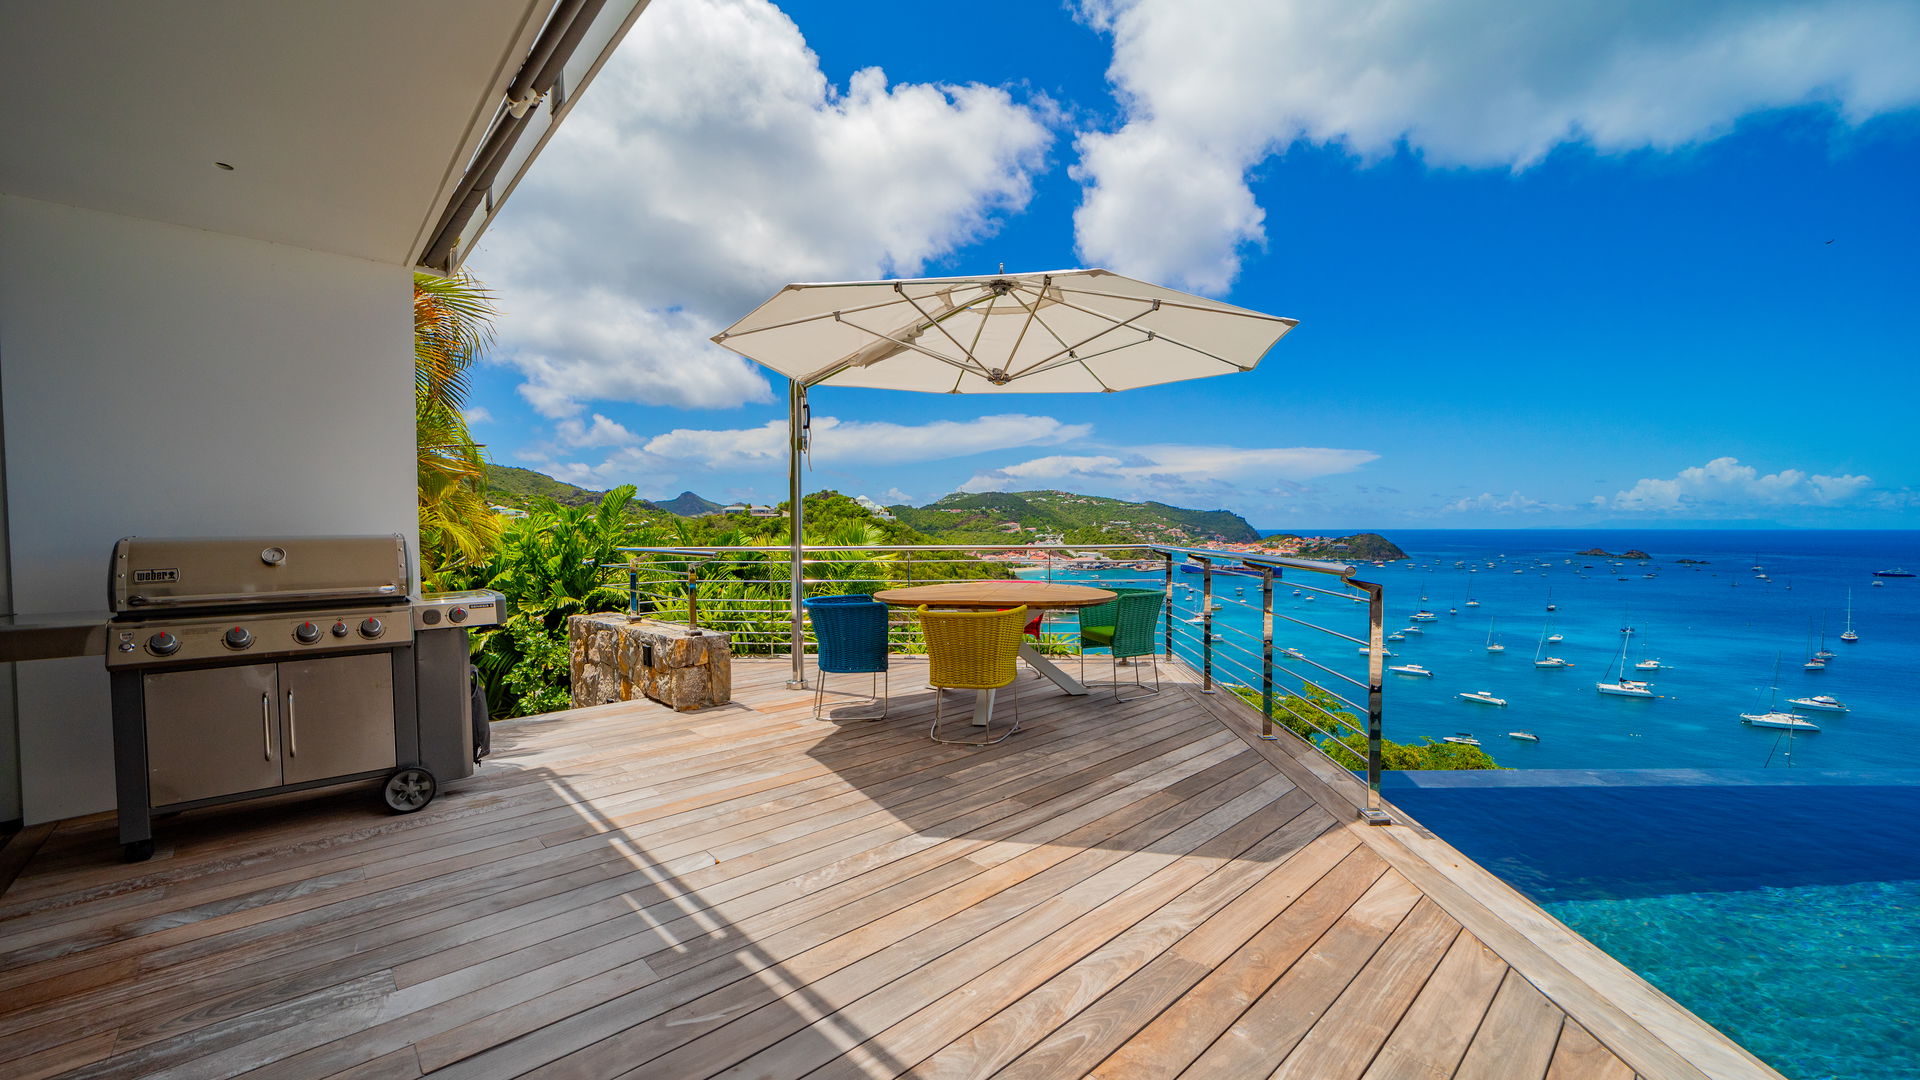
{"x":1013,"y":517}
{"x":687,"y":504}
{"x":509,"y":486}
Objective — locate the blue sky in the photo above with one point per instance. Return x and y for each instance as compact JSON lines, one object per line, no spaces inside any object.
{"x":1554,"y":273}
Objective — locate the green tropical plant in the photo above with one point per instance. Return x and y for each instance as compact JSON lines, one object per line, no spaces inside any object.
{"x":1349,"y":748}
{"x":452,"y":328}
{"x":555,"y":562}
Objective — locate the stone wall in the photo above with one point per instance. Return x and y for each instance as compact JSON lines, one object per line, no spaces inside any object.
{"x":618,"y":658}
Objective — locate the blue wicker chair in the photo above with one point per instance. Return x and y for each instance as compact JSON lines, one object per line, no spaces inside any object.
{"x":852,"y":634}
{"x":1124,"y":626}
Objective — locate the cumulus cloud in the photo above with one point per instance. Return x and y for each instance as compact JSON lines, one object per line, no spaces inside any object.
{"x":1174,"y":470}
{"x":835,"y":442}
{"x":711,"y":163}
{"x":1725,"y":484}
{"x":477,"y":415}
{"x":1210,"y":88}
{"x":1513,"y":503}
{"x":600,"y":432}
{"x":893,"y":496}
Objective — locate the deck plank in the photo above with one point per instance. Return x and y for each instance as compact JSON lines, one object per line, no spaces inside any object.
{"x":1123,"y":890}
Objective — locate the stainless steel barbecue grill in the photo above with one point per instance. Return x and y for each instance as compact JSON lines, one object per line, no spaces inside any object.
{"x":246,"y":667}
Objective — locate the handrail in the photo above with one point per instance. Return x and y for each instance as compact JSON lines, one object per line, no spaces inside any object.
{"x":764,"y":616}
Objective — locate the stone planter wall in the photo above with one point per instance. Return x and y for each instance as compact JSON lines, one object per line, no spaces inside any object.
{"x":618,"y":658}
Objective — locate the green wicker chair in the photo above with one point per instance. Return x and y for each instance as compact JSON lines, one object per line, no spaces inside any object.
{"x":1124,"y":626}
{"x":973,"y":650}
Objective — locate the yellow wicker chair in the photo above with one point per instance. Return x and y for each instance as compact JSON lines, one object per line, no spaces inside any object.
{"x":973,"y":650}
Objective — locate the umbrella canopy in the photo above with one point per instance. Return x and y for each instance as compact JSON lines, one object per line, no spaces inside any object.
{"x":1059,"y":332}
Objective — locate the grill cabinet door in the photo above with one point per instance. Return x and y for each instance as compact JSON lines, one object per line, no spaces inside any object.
{"x":211,"y":732}
{"x":337,"y":715}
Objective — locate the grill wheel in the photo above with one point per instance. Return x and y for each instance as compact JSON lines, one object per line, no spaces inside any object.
{"x":408,"y":790}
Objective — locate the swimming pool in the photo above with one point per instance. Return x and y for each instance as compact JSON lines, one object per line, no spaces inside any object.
{"x":1781,"y":907}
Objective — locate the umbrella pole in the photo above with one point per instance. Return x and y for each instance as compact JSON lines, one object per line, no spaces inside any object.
{"x":796,"y":528}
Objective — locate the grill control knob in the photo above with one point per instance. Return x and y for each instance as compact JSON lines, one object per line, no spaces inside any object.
{"x":431,"y":616}
{"x":306,"y":633}
{"x":458,"y":614}
{"x":163,"y":644}
{"x":340,"y":629}
{"x":238,"y":638}
{"x":372,"y":627}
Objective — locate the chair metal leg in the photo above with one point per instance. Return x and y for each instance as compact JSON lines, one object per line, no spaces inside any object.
{"x":939,"y":703}
{"x":882,"y":690}
{"x":1142,"y":689}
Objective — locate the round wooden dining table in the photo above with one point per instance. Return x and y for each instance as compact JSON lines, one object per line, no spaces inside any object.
{"x":999,"y":595}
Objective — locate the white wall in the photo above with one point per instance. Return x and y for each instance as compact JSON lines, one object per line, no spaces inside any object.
{"x":169,"y":381}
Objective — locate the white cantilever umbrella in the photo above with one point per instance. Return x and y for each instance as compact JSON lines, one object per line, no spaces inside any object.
{"x":1057,"y":332}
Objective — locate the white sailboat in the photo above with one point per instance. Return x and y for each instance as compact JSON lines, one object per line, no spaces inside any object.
{"x":1773,"y":717}
{"x":1541,"y":660}
{"x":1848,"y":635}
{"x":1492,"y":645}
{"x":1621,"y":686}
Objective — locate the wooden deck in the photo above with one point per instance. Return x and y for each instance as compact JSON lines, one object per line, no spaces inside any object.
{"x":1121,"y":890}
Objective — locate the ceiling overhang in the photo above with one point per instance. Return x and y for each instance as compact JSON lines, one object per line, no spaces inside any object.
{"x":347,"y":126}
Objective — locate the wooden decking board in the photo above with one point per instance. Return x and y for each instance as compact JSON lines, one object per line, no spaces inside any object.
{"x":1579,"y":1056}
{"x":1122,"y":890}
{"x":581,"y":935}
{"x":1020,"y":1000}
{"x":1269,"y":1029}
{"x":1228,"y":967}
{"x":1355,"y":1026}
{"x":928,"y":927}
{"x":1433,"y":1034}
{"x":1057,"y":933}
{"x":1517,"y":1037}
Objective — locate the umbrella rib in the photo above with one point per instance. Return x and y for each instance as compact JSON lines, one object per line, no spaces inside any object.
{"x":1035,"y":312}
{"x":724,"y":334}
{"x":840,"y":366}
{"x":1068,"y":350}
{"x":1185,"y":307}
{"x":937,"y":324}
{"x":1155,"y":334}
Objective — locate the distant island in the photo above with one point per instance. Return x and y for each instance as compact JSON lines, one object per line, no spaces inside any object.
{"x":1692,"y":562}
{"x":1630,"y":553}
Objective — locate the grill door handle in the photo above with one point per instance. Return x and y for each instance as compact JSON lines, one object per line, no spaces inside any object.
{"x":293,"y":733}
{"x":266,"y":725}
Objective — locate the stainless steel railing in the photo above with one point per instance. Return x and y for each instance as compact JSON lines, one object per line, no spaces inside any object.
{"x":1294,"y":669}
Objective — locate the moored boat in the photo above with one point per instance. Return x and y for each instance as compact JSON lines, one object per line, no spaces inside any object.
{"x":1818,"y":703}
{"x":1779,"y":720}
{"x":1523,"y":736}
{"x":1410,"y":669}
{"x":1484,"y":697}
{"x":1462,"y":739}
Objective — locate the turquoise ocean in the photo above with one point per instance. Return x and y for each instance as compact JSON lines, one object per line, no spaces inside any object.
{"x":1716,"y":627}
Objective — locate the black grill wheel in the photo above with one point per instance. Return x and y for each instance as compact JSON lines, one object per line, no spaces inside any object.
{"x":408,"y":790}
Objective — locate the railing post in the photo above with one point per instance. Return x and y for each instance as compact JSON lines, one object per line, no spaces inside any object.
{"x":1167,"y":604}
{"x":1266,"y":653}
{"x":693,"y":596}
{"x":1206,"y":625}
{"x":1373,"y":812}
{"x":633,"y":588}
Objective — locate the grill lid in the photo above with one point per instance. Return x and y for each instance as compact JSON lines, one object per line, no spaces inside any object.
{"x":155,"y":573}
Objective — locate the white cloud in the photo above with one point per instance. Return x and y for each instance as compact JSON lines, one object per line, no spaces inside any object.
{"x":1210,"y":88}
{"x":1724,"y":483}
{"x":601,"y":432}
{"x":1173,"y":470}
{"x":711,"y":163}
{"x":477,"y":415}
{"x":1488,"y":503}
{"x":655,"y":461}
{"x":893,"y":496}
